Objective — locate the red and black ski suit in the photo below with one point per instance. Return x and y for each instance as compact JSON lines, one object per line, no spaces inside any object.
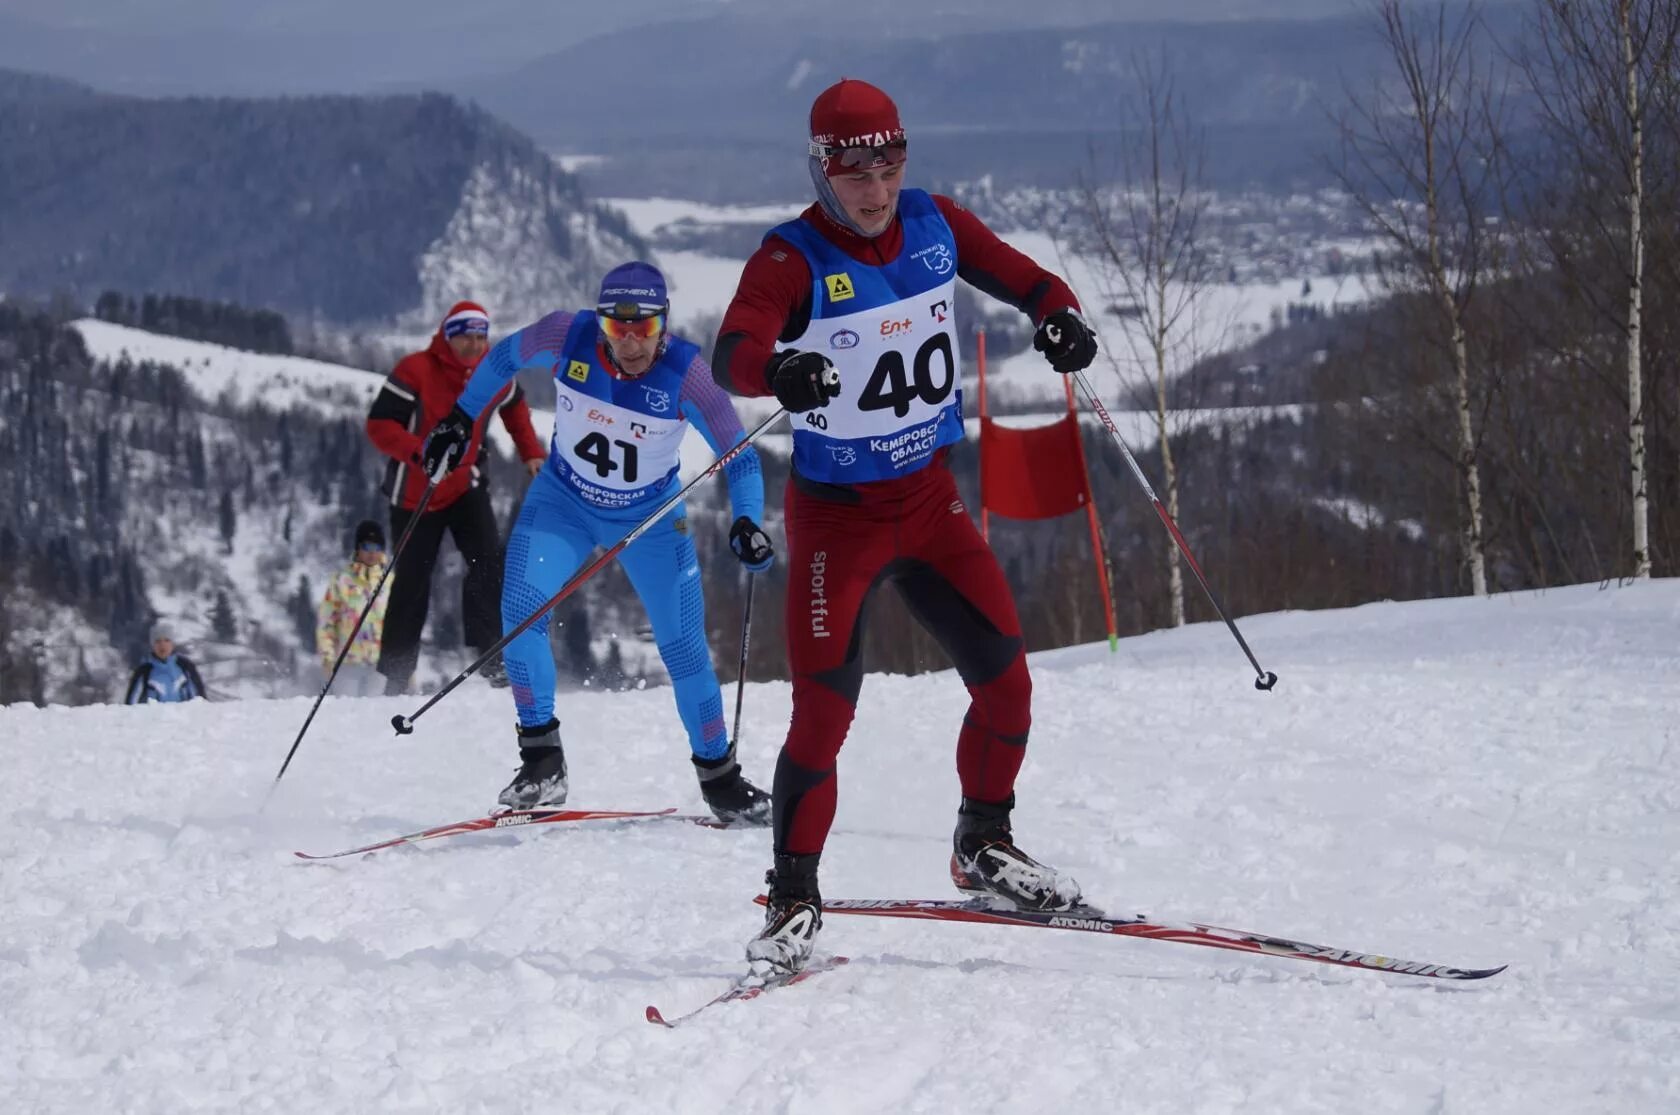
{"x":420,"y":390}
{"x":913,"y":530}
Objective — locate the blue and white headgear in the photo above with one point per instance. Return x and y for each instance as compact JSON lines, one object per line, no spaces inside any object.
{"x":633,"y":290}
{"x":466,"y":317}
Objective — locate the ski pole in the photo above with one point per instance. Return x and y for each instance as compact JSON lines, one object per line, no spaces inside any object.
{"x":1266,"y":678}
{"x":741,"y":673}
{"x":405,"y":724}
{"x":396,"y":554}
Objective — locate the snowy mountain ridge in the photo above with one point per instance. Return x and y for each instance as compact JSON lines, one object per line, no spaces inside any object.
{"x":335,"y":211}
{"x":500,"y":248}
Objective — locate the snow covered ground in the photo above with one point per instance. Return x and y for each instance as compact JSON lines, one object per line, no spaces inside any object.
{"x":245,"y":378}
{"x":1226,"y":315}
{"x":1468,"y":782}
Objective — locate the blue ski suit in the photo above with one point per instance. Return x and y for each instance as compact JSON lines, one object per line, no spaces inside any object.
{"x":612,"y":460}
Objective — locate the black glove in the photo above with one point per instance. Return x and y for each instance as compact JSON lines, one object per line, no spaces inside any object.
{"x":1066,"y":341}
{"x":802,"y":381}
{"x":751,"y":545}
{"x":447,"y":442}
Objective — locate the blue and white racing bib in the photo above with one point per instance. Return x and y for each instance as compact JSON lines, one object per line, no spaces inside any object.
{"x":891,"y":332}
{"x":616,"y":441}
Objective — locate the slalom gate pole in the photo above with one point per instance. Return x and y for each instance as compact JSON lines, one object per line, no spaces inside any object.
{"x":404,"y":725}
{"x":408,"y":531}
{"x":741,"y":671}
{"x":1266,"y":678}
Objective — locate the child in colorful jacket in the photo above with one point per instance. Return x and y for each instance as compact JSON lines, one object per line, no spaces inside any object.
{"x":347,"y":594}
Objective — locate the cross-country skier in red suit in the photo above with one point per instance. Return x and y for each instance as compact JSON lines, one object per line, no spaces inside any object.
{"x":861,"y":287}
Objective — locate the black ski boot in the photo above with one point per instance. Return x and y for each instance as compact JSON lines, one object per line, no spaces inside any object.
{"x":731,"y":798}
{"x":541,"y":779}
{"x":791,"y":919}
{"x":986,"y":862}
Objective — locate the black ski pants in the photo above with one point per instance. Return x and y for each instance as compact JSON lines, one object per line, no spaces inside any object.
{"x":471,"y":522}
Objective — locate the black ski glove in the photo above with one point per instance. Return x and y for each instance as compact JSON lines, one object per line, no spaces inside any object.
{"x":802,"y":381}
{"x":447,"y":442}
{"x":1066,"y":341}
{"x":751,"y":545}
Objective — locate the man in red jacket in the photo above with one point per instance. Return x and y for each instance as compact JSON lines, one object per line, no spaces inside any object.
{"x":420,"y":390}
{"x":862,"y":286}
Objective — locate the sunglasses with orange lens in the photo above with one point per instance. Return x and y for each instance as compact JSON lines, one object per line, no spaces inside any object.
{"x":645,"y":328}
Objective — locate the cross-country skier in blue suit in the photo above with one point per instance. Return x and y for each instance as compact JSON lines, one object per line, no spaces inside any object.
{"x":625,"y":391}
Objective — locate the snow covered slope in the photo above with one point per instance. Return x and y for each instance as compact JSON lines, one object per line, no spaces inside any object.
{"x":331,"y":390}
{"x":1470,"y":782}
{"x":243,"y":378}
{"x":518,"y":243}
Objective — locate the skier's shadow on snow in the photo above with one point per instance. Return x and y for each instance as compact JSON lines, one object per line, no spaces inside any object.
{"x":888,"y":960}
{"x":375,"y":824}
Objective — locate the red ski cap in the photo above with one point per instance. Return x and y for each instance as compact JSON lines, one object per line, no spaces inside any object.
{"x":853,"y":113}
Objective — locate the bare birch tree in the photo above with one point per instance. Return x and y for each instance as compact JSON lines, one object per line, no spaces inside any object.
{"x":1601,"y":69}
{"x":1148,"y":258}
{"x":1418,"y":156}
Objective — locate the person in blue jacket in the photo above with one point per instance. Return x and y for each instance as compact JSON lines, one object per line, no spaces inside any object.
{"x":165,"y":674}
{"x":626,"y":389}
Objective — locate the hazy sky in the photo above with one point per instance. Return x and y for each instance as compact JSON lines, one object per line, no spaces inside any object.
{"x":560,"y":17}
{"x":353,"y":46}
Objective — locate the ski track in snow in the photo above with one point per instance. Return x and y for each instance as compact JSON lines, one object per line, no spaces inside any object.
{"x":1465,"y":782}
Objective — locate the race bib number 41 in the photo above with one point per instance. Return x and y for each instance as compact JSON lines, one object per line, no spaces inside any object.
{"x":611,"y":453}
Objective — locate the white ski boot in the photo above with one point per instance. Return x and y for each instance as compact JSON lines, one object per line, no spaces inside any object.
{"x":986,"y":862}
{"x":791,"y":920}
{"x":541,"y":780}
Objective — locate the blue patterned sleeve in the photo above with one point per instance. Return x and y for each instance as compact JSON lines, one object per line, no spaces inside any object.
{"x":538,"y":345}
{"x":713,"y":414}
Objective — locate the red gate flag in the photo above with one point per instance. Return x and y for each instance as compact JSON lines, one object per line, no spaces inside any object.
{"x":1038,"y":473}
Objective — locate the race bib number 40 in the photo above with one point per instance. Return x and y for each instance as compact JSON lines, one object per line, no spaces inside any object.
{"x":898,"y":366}
{"x":900,"y":390}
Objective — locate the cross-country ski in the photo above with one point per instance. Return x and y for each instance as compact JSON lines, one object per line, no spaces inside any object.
{"x":1089,"y":919}
{"x":509,"y":819}
{"x":749,"y":986}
